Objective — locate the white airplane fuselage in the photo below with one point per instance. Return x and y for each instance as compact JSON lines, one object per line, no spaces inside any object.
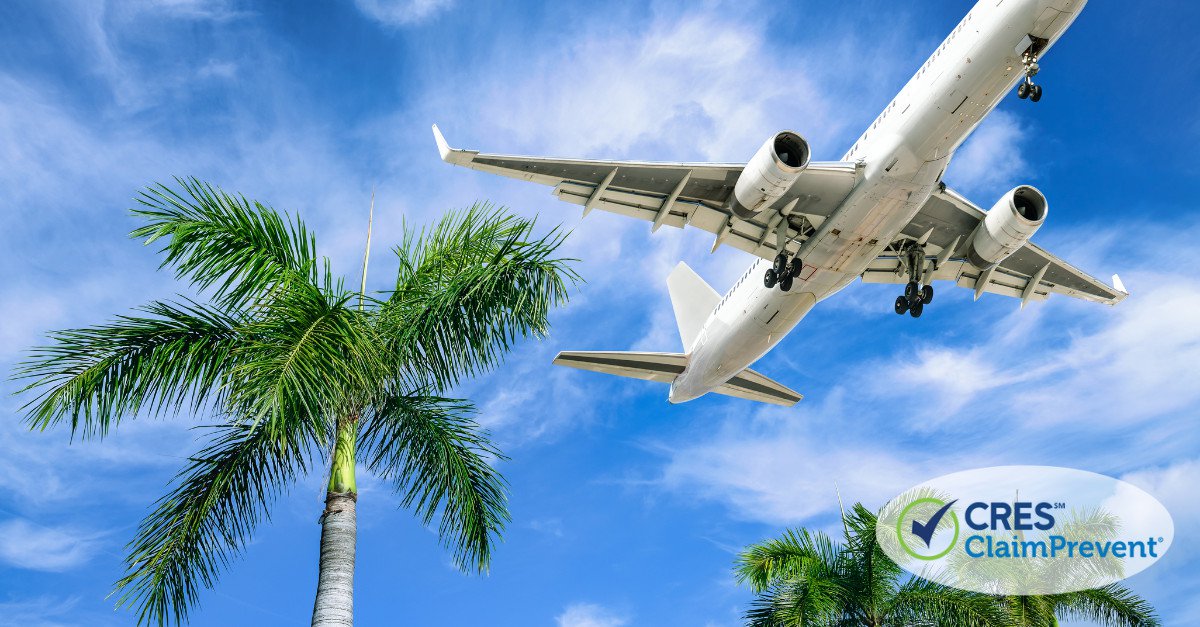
{"x":905,"y":151}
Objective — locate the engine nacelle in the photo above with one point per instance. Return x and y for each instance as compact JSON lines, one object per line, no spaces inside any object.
{"x":1008,"y":225}
{"x":769,"y":174}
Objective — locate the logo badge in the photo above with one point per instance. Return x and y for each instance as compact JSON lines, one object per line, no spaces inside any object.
{"x":1025,"y":530}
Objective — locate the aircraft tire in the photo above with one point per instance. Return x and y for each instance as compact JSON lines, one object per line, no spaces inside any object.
{"x":780,"y":265}
{"x":912,"y":291}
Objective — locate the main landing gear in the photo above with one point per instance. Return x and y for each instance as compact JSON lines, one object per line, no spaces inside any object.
{"x":916,"y":296}
{"x":914,"y":299}
{"x":1027,"y":88}
{"x":782,"y":272}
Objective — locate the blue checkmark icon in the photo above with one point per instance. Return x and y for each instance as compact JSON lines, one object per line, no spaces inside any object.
{"x":924,"y":531}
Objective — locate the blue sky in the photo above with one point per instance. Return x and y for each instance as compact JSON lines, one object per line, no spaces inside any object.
{"x":626,"y":510}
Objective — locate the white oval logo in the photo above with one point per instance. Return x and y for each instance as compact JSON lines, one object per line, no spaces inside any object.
{"x":1025,"y":530}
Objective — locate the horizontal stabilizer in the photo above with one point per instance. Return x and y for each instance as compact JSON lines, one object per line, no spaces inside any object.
{"x":664,"y":367}
{"x":660,"y":367}
{"x":753,"y":386}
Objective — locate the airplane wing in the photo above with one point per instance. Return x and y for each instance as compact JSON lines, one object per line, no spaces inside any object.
{"x":1031,"y":273}
{"x":678,"y":194}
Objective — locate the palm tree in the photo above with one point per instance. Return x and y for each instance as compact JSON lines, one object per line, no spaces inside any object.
{"x":303,"y":374}
{"x":803,"y":578}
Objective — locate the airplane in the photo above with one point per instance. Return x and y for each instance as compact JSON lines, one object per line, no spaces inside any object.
{"x":881,"y":214}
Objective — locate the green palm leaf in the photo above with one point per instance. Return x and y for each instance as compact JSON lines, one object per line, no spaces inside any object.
{"x":440,"y":462}
{"x":216,"y":240}
{"x":179,"y":357}
{"x":468,"y":289}
{"x":194,"y":530}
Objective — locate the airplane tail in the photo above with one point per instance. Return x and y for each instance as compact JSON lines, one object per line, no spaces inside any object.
{"x":693,"y":300}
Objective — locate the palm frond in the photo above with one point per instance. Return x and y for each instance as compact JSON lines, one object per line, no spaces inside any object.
{"x":207,"y":518}
{"x":309,"y":355}
{"x":802,"y":603}
{"x":438,"y":458}
{"x":1111,"y":606}
{"x":796,"y":554}
{"x":178,"y":357}
{"x":920,"y":601}
{"x":239,"y":248}
{"x":468,"y":289}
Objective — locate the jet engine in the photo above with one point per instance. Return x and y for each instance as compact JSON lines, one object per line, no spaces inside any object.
{"x":769,"y":174}
{"x":1008,"y":225}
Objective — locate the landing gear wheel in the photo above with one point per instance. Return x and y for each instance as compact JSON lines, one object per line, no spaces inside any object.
{"x":915,"y":309}
{"x":785,"y":283}
{"x":912,"y":292}
{"x":794,"y":267}
{"x":901,"y":305}
{"x":1035,"y":93}
{"x":770,"y":279}
{"x":1023,"y":90}
{"x":926,"y":294}
{"x":780,"y":265}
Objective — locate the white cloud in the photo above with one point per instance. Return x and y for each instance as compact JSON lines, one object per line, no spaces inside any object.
{"x":214,"y":10}
{"x":42,"y":611}
{"x":402,"y":12}
{"x":991,"y":160}
{"x":698,"y":85}
{"x":785,"y":466}
{"x":590,"y":615}
{"x":25,"y":545}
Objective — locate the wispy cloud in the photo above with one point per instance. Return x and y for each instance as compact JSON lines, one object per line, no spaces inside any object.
{"x":41,"y":611}
{"x":992,"y":158}
{"x":590,"y":615}
{"x":26,"y":545}
{"x":402,"y":12}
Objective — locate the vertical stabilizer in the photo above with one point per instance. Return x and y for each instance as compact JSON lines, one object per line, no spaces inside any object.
{"x":693,"y":300}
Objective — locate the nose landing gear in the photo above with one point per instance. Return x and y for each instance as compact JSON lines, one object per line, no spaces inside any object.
{"x":783,"y":272}
{"x":1027,"y":88}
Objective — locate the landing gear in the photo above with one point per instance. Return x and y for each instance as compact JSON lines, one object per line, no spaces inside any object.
{"x":916,"y":296}
{"x":1027,"y":88}
{"x":783,"y":272}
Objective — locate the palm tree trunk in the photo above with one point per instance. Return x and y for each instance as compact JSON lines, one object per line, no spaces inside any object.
{"x":334,"y":605}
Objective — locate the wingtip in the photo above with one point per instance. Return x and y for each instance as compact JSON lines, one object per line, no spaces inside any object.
{"x":443,"y":148}
{"x":1119,"y":284}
